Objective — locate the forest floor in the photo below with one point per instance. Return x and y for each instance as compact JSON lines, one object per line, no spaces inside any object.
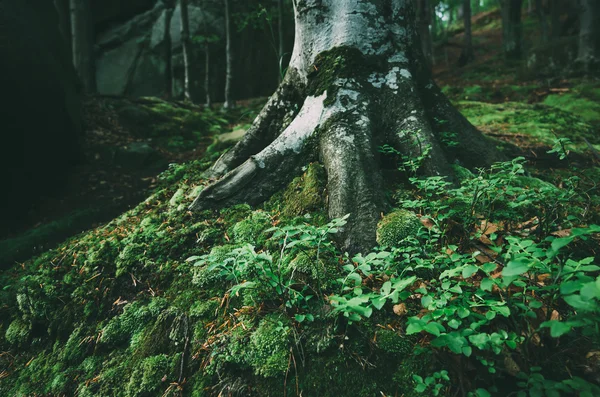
{"x":160,"y":301}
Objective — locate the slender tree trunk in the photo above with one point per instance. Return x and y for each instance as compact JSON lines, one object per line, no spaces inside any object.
{"x":280,"y":37}
{"x":541,"y":14}
{"x":82,"y":33}
{"x":423,"y":21}
{"x":207,"y":85}
{"x":185,"y":44}
{"x":512,"y":33}
{"x":345,"y":94}
{"x":555,"y":10}
{"x":64,"y":21}
{"x":467,"y":54}
{"x":168,"y":90}
{"x":229,"y":103}
{"x":589,"y":36}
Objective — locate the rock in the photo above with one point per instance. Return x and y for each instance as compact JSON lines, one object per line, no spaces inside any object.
{"x":137,"y":155}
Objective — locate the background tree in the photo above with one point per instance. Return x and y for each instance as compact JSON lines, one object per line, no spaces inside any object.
{"x":229,"y":103}
{"x":168,"y":90}
{"x":512,"y":32}
{"x":467,"y":54}
{"x":541,"y":14}
{"x":345,"y":94}
{"x":589,"y":36}
{"x":280,"y":37}
{"x":423,"y":10}
{"x":82,"y":33}
{"x":185,"y":44}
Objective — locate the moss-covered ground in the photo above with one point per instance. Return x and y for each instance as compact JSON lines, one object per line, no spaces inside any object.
{"x":256,"y":301}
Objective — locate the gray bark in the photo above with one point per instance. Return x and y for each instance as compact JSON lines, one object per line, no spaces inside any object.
{"x":346,"y":93}
{"x":467,"y":54}
{"x":229,"y":103}
{"x":82,"y":35}
{"x":589,"y":36}
{"x":512,"y":32}
{"x":185,"y":44}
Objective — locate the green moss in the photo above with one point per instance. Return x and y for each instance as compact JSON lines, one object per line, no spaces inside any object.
{"x":305,"y":194}
{"x":396,"y":226}
{"x":587,"y":109}
{"x":269,"y":347}
{"x":391,"y":342}
{"x":531,"y":125}
{"x":18,"y":332}
{"x":251,"y":230}
{"x":462,"y":173}
{"x":152,"y":375}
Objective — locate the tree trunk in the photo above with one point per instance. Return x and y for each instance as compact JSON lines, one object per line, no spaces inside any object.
{"x":280,"y":37}
{"x":229,"y":103}
{"x":347,"y":93}
{"x":512,"y":34}
{"x":64,"y":21}
{"x":185,"y":45}
{"x":555,"y":9}
{"x":541,"y":13}
{"x":589,"y":36}
{"x":467,"y":54}
{"x":423,"y":21}
{"x":168,"y":90}
{"x":207,"y":75}
{"x":82,"y":33}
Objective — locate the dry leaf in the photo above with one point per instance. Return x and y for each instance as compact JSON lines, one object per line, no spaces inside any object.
{"x":400,"y":309}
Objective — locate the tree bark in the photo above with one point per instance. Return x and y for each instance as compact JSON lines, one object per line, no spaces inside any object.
{"x":467,"y":54}
{"x":82,"y":33}
{"x":347,"y":93}
{"x":512,"y":32}
{"x":185,"y":44}
{"x":589,"y":36}
{"x":229,"y":103}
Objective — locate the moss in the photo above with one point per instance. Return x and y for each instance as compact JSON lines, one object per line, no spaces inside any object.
{"x":251,"y":230}
{"x":462,"y":173}
{"x":529,"y":125}
{"x":587,"y":109}
{"x":18,"y":332}
{"x":152,"y":375}
{"x":305,"y":194}
{"x":121,"y":329}
{"x":269,"y":348}
{"x":391,"y":342}
{"x":396,"y":226}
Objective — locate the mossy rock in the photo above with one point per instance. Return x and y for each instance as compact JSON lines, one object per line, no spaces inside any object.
{"x":396,"y":226}
{"x":392,"y":342}
{"x":152,"y":375}
{"x":269,"y":346}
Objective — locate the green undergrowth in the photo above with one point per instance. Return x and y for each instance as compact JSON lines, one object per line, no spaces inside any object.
{"x":480,"y":287}
{"x":583,"y":100}
{"x":530,"y":125}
